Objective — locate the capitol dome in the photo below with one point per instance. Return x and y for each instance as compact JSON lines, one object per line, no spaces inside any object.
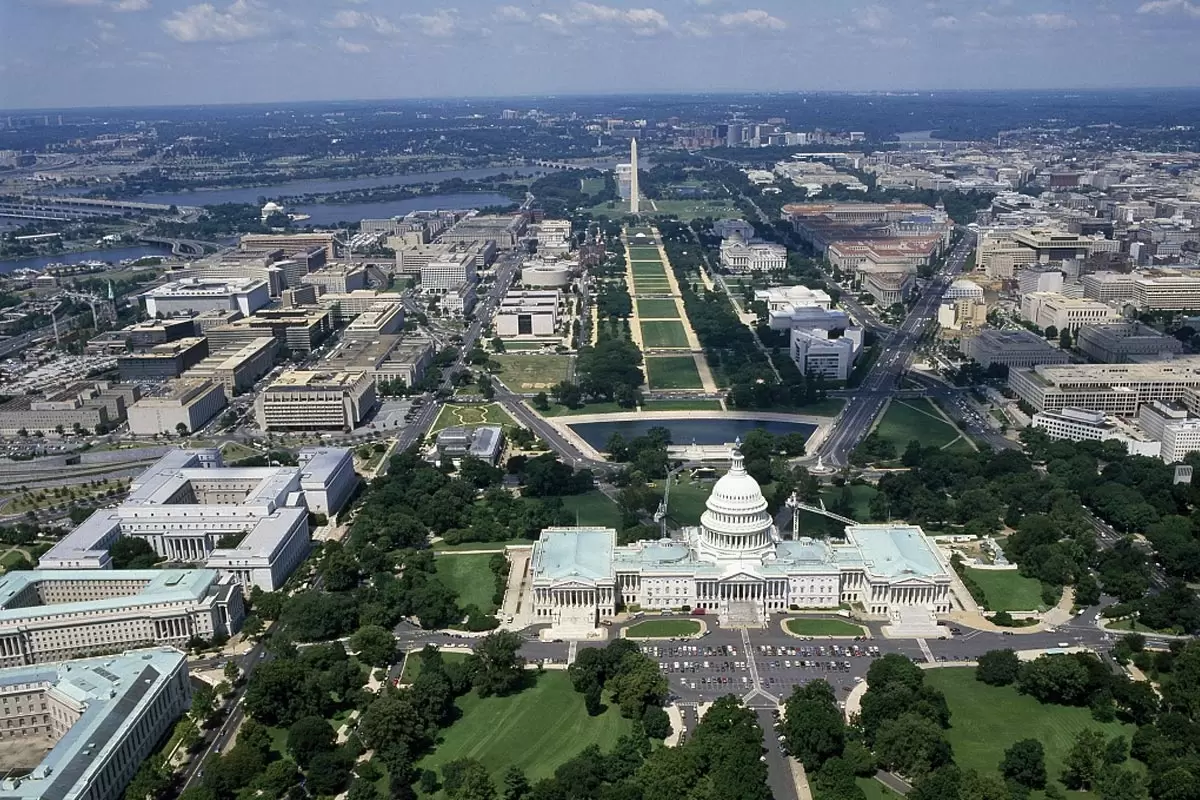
{"x":736,"y":522}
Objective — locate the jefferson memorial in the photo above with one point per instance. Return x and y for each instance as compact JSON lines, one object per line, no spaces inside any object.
{"x":736,"y":566}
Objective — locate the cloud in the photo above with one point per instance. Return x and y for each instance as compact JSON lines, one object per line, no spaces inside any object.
{"x":873,"y":18}
{"x":348,"y":19}
{"x":1052,"y":22}
{"x":642,"y":21}
{"x":236,"y":22}
{"x":1185,"y":7}
{"x":131,"y":5}
{"x":354,"y":48}
{"x":511,"y":14}
{"x":440,"y":24}
{"x":945,"y":23}
{"x":693,"y":28}
{"x":752,"y":18}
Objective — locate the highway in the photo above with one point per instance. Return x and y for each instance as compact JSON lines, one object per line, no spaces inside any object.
{"x":894,"y":360}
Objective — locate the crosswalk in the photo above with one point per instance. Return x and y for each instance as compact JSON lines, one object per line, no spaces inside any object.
{"x":572,"y":650}
{"x":924,"y":645}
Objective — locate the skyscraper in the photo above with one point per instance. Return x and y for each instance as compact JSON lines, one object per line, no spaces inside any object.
{"x":633,"y":177}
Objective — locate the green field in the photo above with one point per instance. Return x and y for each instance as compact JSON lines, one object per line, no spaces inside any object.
{"x":470,"y":577}
{"x":829,"y":407}
{"x":535,"y":730}
{"x":687,"y":210}
{"x":591,"y":185}
{"x":637,"y":253}
{"x":648,"y":268}
{"x":593,"y":509}
{"x":802,"y":626}
{"x":906,"y":420}
{"x":651,"y":286}
{"x":987,"y":720}
{"x":874,"y":790}
{"x":532,"y":373}
{"x":672,"y":372}
{"x":412,"y":666}
{"x":515,"y":344}
{"x":687,"y":500}
{"x":556,"y":410}
{"x":493,"y":546}
{"x":657,"y":309}
{"x":682,"y":405}
{"x":1008,"y":590}
{"x":663,"y":628}
{"x":489,"y":414}
{"x":664,"y":333}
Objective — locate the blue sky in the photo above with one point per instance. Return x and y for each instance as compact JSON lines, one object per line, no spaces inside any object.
{"x":57,"y":53}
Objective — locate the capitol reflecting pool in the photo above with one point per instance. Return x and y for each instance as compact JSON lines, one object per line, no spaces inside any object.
{"x":686,"y":431}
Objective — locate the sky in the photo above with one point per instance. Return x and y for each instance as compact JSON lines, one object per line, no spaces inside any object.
{"x":73,"y":53}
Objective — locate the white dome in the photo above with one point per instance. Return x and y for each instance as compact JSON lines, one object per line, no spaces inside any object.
{"x":737,"y":520}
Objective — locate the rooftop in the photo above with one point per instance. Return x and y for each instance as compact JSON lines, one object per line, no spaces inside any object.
{"x":161,"y":586}
{"x":564,"y":553}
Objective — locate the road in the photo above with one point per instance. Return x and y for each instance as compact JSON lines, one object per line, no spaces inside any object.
{"x":894,"y":360}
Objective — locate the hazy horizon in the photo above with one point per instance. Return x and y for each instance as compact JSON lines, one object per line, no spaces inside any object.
{"x":66,"y":54}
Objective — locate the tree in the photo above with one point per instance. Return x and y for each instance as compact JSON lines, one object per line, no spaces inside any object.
{"x":203,"y":702}
{"x":911,"y":745}
{"x":1051,"y":332}
{"x":329,"y":772}
{"x":375,"y":645}
{"x":467,"y":779}
{"x":1065,"y":339}
{"x":1084,"y":761}
{"x":1025,"y":763}
{"x":392,"y":721}
{"x":181,"y":429}
{"x":362,"y":790}
{"x":278,"y":777}
{"x":1116,"y":783}
{"x":131,"y":552}
{"x":309,"y":736}
{"x":232,"y":671}
{"x":592,"y":700}
{"x":813,"y":725}
{"x":637,"y":684}
{"x":541,"y":402}
{"x":998,"y":667}
{"x":494,"y":666}
{"x":1055,"y":679}
{"x":516,"y":785}
{"x":656,"y":723}
{"x":149,"y":783}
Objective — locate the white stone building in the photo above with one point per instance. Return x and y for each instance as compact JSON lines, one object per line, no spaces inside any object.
{"x":740,"y":256}
{"x":815,"y":353}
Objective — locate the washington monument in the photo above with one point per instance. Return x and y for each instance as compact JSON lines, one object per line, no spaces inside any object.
{"x":633,"y":177}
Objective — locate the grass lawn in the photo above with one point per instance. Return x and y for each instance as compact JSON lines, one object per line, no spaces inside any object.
{"x":829,"y":407}
{"x":489,"y":414}
{"x":232,"y":451}
{"x":987,"y":720}
{"x":959,"y":445}
{"x":637,"y":253}
{"x":412,"y":667}
{"x":651,"y":286}
{"x":687,"y":210}
{"x":687,"y":500}
{"x":470,"y":577}
{"x":1134,"y":625}
{"x":648,"y":269}
{"x":802,"y":626}
{"x":906,"y":420}
{"x":593,"y":509}
{"x":535,"y":730}
{"x":11,"y":558}
{"x":557,"y":410}
{"x":512,"y":344}
{"x":860,"y":500}
{"x":672,"y":372}
{"x":591,"y":185}
{"x":682,"y":405}
{"x":664,"y":333}
{"x":874,"y":790}
{"x":1008,"y":590}
{"x":657,"y":309}
{"x":663,"y":628}
{"x":496,"y":546}
{"x":532,"y":373}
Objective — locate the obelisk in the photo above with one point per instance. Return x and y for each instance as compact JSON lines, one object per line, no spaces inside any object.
{"x":633,"y":177}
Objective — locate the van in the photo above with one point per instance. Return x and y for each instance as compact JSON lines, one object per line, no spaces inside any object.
{"x":1064,"y":644}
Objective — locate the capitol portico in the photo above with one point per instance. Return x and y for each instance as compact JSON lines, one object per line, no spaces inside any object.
{"x":735,"y":565}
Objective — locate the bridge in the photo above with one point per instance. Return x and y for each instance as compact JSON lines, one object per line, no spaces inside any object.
{"x":179,"y":247}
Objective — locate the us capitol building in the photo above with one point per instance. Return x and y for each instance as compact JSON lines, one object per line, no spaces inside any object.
{"x":736,"y":566}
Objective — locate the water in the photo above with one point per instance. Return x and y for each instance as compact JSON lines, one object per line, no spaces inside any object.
{"x":113,"y":254}
{"x":329,"y":214}
{"x":685,"y":431}
{"x":250,"y":194}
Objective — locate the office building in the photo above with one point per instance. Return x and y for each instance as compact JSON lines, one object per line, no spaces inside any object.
{"x":411,"y":257}
{"x":1019,"y":348}
{"x":1125,"y":341}
{"x":378,"y":319}
{"x":504,"y":230}
{"x":188,"y":402}
{"x":1040,"y":278}
{"x":237,"y":367}
{"x":1173,"y":426}
{"x":1082,"y":425}
{"x":483,"y":442}
{"x":888,"y":288}
{"x":858,"y":256}
{"x":962,"y":314}
{"x":141,"y":335}
{"x":800,"y":307}
{"x":58,"y":615}
{"x":300,"y":296}
{"x":298,"y":330}
{"x":345,"y":307}
{"x":1167,"y":292}
{"x":316,"y":401}
{"x":247,"y":522}
{"x":443,"y":274}
{"x":735,"y":566}
{"x":965,"y":289}
{"x":1108,"y":286}
{"x":1113,"y":388}
{"x":387,"y":358}
{"x":162,"y":361}
{"x":880,"y":224}
{"x":80,"y":406}
{"x":554,"y":238}
{"x":1047,"y":309}
{"x":198,"y":295}
{"x":291,"y":242}
{"x":460,"y":300}
{"x":815,"y":353}
{"x":525,"y":314}
{"x":338,"y":278}
{"x":96,"y":720}
{"x":740,"y":257}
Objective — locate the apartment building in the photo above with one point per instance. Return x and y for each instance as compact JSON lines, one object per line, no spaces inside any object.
{"x":816,"y":353}
{"x":316,"y":401}
{"x":742,"y":257}
{"x":1124,"y":341}
{"x":1113,"y":388}
{"x":1012,"y":349}
{"x":200,"y":294}
{"x":187,"y":402}
{"x":58,"y":615}
{"x":79,"y":406}
{"x":100,"y":717}
{"x":1082,"y":425}
{"x":1048,"y":309}
{"x":247,"y":522}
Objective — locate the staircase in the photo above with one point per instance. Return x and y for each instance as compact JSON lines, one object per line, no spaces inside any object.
{"x":742,"y":614}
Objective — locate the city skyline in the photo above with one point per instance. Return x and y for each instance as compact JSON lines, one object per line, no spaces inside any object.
{"x":86,"y":53}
